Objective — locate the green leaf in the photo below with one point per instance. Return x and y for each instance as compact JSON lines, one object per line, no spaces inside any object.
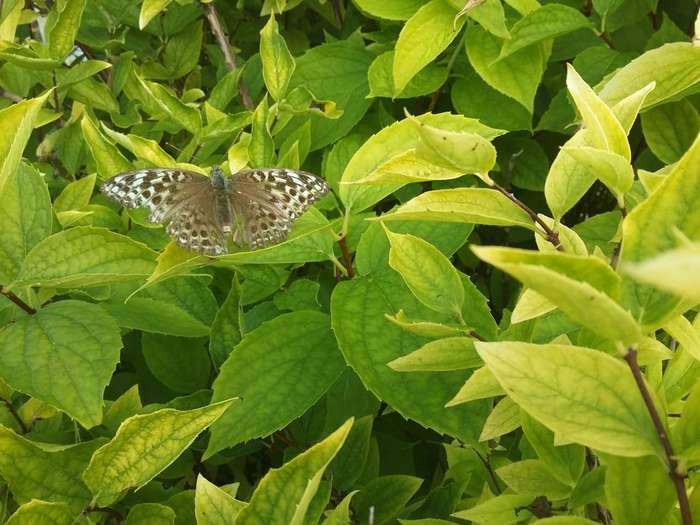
{"x":482,"y":384}
{"x":34,"y":471}
{"x":426,"y":328}
{"x":25,"y":213}
{"x":176,"y":362}
{"x":85,"y":256}
{"x":613,"y":170}
{"x":465,"y":152}
{"x":17,"y":124}
{"x":37,"y":511}
{"x":443,"y":355}
{"x":604,"y":130}
{"x":388,"y":495}
{"x":413,"y":51}
{"x":150,"y":514}
{"x":670,"y":129}
{"x":504,"y":509}
{"x":225,"y":331}
{"x":301,"y":294}
{"x":159,"y":317}
{"x":41,"y":358}
{"x":143,"y":447}
{"x":261,"y":148}
{"x":566,"y":520}
{"x":674,"y":67}
{"x":348,"y":465}
{"x":150,"y":9}
{"x":516,"y":76}
{"x":76,"y":195}
{"x":340,"y":515}
{"x":213,"y":506}
{"x":182,"y":51}
{"x":578,"y":299}
{"x":391,"y":9}
{"x":381,"y":79}
{"x":504,"y":418}
{"x":488,"y":13}
{"x":427,"y":273}
{"x":79,"y":72}
{"x":638,"y":491}
{"x":472,"y":205}
{"x":279,"y":370}
{"x":530,"y":305}
{"x":108,"y":160}
{"x":553,"y":384}
{"x":277,"y":62}
{"x":549,"y":21}
{"x":674,"y":271}
{"x":61,"y":37}
{"x":284,"y":494}
{"x":368,"y":341}
{"x":531,"y":476}
{"x":652,"y":228}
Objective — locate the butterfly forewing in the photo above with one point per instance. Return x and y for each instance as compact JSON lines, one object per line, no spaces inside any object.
{"x":257,"y":207}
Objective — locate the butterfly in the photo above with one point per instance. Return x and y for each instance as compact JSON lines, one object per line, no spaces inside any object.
{"x":256,"y":207}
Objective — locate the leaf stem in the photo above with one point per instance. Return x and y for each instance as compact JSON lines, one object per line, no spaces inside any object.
{"x":19,"y":302}
{"x":676,"y":476}
{"x":13,"y":411}
{"x":549,"y":233}
{"x":347,"y":260}
{"x":222,"y":39}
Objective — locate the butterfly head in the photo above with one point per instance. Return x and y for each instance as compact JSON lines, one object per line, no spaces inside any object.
{"x":218,"y":179}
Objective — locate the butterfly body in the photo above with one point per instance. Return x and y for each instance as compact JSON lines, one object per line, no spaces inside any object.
{"x":257,"y":207}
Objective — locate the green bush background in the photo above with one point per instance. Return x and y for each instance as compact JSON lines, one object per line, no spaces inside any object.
{"x":490,"y":319}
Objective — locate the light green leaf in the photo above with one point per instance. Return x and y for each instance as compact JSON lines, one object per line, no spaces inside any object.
{"x":531,"y":476}
{"x":674,"y":67}
{"x":279,"y":370}
{"x":549,"y":21}
{"x":213,"y":506}
{"x":638,"y":491}
{"x":652,"y":228}
{"x":443,"y":355}
{"x":284,"y":494}
{"x":388,"y":495}
{"x":472,"y":205}
{"x":76,"y":195}
{"x":17,"y":124}
{"x":516,"y":76}
{"x":604,"y":130}
{"x":37,"y":511}
{"x":369,"y":341}
{"x":340,"y":515}
{"x":427,"y":273}
{"x":530,"y":305}
{"x":79,"y":72}
{"x":674,"y":271}
{"x":504,"y":418}
{"x":52,"y":474}
{"x":482,"y":384}
{"x":552,"y":383}
{"x":261,"y":149}
{"x":108,"y":159}
{"x":459,"y":151}
{"x":391,"y":9}
{"x":150,"y":514}
{"x":381,"y":79}
{"x":277,"y":62}
{"x":488,"y":13}
{"x":504,"y":510}
{"x":670,"y":129}
{"x":40,"y":357}
{"x":579,"y":300}
{"x":426,"y":328}
{"x":25,"y":215}
{"x":565,"y":520}
{"x":408,"y":167}
{"x":61,"y":37}
{"x":143,"y":447}
{"x":413,"y":51}
{"x":613,"y":170}
{"x":150,"y":9}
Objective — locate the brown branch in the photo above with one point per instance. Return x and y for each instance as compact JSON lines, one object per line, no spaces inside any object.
{"x":347,"y":260}
{"x":492,"y":474}
{"x":19,"y":302}
{"x":13,"y":411}
{"x":10,"y":96}
{"x":222,"y":39}
{"x":552,"y":236}
{"x":676,"y":476}
{"x":473,"y":334}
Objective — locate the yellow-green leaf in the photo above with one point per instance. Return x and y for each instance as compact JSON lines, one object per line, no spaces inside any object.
{"x":108,"y":159}
{"x":62,"y":35}
{"x":43,"y":512}
{"x":613,"y":170}
{"x":481,"y":384}
{"x":450,"y":353}
{"x":277,"y":62}
{"x":76,"y":195}
{"x":150,"y":9}
{"x":554,"y":384}
{"x":213,"y":506}
{"x":504,"y":418}
{"x":143,"y":447}
{"x":674,"y":271}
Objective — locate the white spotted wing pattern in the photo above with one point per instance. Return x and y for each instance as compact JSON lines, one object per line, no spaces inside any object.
{"x":257,"y":207}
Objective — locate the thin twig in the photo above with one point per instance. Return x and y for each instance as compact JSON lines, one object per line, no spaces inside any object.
{"x":676,"y":476}
{"x":492,"y":474}
{"x":473,"y":334}
{"x":13,"y":411}
{"x":56,"y":102}
{"x":347,"y":260}
{"x":19,"y":302}
{"x":552,"y":236}
{"x":220,"y":34}
{"x":10,"y":96}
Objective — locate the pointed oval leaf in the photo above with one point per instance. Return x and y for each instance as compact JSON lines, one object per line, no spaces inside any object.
{"x":213,"y":506}
{"x":277,"y":62}
{"x":443,"y":355}
{"x":481,"y":384}
{"x":37,"y":511}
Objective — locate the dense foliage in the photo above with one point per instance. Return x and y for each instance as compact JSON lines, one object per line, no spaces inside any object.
{"x":490,"y":319}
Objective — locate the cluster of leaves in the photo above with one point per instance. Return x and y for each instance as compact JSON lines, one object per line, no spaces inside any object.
{"x":384,"y":364}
